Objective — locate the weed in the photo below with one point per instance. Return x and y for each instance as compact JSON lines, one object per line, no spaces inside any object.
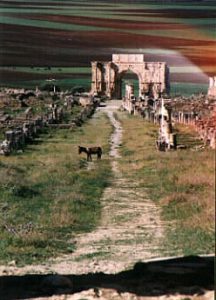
{"x":181,"y":182}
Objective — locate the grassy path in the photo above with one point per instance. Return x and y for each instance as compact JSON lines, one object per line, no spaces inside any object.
{"x":135,"y":215}
{"x":48,"y":195}
{"x":116,"y":222}
{"x":130,"y":228}
{"x":142,"y":213}
{"x":180,"y":182}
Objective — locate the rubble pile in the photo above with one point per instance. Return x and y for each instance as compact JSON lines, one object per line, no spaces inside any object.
{"x":21,"y":123}
{"x":198,"y":111}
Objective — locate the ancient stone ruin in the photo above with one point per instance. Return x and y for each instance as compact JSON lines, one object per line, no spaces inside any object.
{"x":198,"y":112}
{"x":212,"y":87}
{"x":21,"y":127}
{"x":166,"y":138}
{"x":107,"y":77}
{"x":129,"y":99}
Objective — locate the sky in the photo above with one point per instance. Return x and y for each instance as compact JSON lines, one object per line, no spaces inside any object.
{"x":73,"y":33}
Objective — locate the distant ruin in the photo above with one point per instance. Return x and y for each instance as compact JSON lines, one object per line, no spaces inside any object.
{"x":212,"y":87}
{"x":197,"y":111}
{"x":29,"y":114}
{"x":107,"y":77}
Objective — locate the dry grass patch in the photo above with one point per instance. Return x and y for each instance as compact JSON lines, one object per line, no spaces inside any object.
{"x":182,"y":182}
{"x":51,"y":186}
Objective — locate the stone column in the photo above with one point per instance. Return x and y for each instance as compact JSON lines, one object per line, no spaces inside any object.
{"x":108,"y":79}
{"x":94,"y":78}
{"x":97,"y":78}
{"x":211,"y":82}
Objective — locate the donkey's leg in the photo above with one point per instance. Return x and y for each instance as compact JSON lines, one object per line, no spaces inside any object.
{"x":89,"y":157}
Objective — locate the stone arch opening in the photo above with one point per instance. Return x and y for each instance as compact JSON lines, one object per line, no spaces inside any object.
{"x":127,"y":77}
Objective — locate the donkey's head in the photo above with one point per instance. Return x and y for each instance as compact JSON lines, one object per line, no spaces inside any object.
{"x":82,"y":149}
{"x":79,"y":149}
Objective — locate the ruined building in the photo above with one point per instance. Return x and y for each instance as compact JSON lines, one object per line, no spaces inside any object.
{"x":199,"y":112}
{"x":107,"y":77}
{"x":212,"y":87}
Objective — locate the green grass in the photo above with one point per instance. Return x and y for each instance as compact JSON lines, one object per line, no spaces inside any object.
{"x":52,"y":187}
{"x":13,"y":111}
{"x":51,"y":70}
{"x":181,"y":182}
{"x":192,"y":241}
{"x":177,"y":88}
{"x":64,"y":84}
{"x":187,"y":89}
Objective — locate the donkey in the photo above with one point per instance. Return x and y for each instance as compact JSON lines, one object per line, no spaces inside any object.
{"x":89,"y":151}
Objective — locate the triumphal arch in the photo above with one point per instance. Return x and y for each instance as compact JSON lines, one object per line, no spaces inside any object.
{"x":107,"y":77}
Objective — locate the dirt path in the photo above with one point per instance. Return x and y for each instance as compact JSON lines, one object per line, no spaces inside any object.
{"x":130,"y":229}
